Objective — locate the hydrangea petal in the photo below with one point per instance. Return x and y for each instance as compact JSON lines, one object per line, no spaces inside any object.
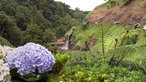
{"x":30,"y":57}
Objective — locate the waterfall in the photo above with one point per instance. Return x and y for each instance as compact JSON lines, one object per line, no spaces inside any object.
{"x":144,"y":27}
{"x":67,"y":39}
{"x":66,"y":46}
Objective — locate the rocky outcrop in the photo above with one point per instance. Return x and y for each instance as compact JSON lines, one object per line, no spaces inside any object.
{"x":133,"y":12}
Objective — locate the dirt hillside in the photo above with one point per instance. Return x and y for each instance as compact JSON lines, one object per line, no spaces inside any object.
{"x":133,"y":12}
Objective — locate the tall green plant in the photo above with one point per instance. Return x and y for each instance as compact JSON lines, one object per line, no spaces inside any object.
{"x":102,"y":36}
{"x":61,"y":60}
{"x":130,"y":56}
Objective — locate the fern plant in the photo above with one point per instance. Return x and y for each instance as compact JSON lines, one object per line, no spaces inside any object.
{"x":130,"y":56}
{"x":141,"y":42}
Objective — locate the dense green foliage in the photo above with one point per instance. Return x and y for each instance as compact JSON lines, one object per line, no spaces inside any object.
{"x":129,"y":56}
{"x":4,"y":42}
{"x":123,"y":46}
{"x":39,"y":21}
{"x":111,"y":33}
{"x":85,"y":69}
{"x":99,"y":73}
{"x":110,"y":53}
{"x":84,"y":66}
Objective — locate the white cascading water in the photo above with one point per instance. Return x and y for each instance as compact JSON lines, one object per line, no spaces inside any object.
{"x":66,"y":46}
{"x":144,"y":27}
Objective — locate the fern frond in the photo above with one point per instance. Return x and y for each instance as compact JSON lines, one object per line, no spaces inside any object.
{"x":130,"y":55}
{"x":141,"y":42}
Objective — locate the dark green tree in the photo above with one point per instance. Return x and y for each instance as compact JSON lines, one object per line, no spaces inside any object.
{"x":33,"y":34}
{"x":49,"y":36}
{"x":9,"y":30}
{"x":40,"y":21}
{"x":5,"y":23}
{"x":23,"y":17}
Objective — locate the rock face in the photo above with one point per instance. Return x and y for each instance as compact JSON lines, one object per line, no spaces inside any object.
{"x":63,"y":43}
{"x":133,"y":12}
{"x":60,"y":42}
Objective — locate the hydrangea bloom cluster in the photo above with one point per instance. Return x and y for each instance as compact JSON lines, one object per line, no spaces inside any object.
{"x":29,"y":58}
{"x":4,"y":50}
{"x":4,"y":72}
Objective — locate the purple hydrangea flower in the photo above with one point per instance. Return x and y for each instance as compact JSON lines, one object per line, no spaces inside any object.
{"x":29,"y":58}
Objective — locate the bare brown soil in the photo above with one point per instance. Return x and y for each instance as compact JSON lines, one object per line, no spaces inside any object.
{"x":133,"y":12}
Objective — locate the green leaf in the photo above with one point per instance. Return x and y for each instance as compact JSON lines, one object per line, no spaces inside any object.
{"x":130,"y":56}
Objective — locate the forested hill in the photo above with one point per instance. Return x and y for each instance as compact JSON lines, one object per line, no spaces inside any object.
{"x":40,"y":21}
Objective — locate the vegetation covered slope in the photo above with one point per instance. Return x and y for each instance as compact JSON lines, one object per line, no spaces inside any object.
{"x":40,"y":21}
{"x":122,"y":48}
{"x":126,"y":13}
{"x":4,"y":42}
{"x":120,"y":44}
{"x":113,"y":36}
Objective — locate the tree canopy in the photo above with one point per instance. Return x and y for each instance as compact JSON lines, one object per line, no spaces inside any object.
{"x":40,"y":21}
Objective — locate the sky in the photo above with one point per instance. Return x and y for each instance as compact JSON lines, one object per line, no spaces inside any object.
{"x":85,"y":5}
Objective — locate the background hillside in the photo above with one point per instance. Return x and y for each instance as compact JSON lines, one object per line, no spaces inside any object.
{"x":39,"y":21}
{"x":124,"y":11}
{"x":118,"y":19}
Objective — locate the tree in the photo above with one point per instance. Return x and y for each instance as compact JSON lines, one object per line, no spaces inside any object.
{"x":23,"y":17}
{"x":9,"y":30}
{"x":14,"y":35}
{"x":5,"y":23}
{"x":42,"y":22}
{"x":49,"y":36}
{"x":33,"y":34}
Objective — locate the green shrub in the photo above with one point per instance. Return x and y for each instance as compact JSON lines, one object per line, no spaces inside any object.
{"x":99,"y":73}
{"x":131,"y":39}
{"x":3,"y":41}
{"x":60,"y":61}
